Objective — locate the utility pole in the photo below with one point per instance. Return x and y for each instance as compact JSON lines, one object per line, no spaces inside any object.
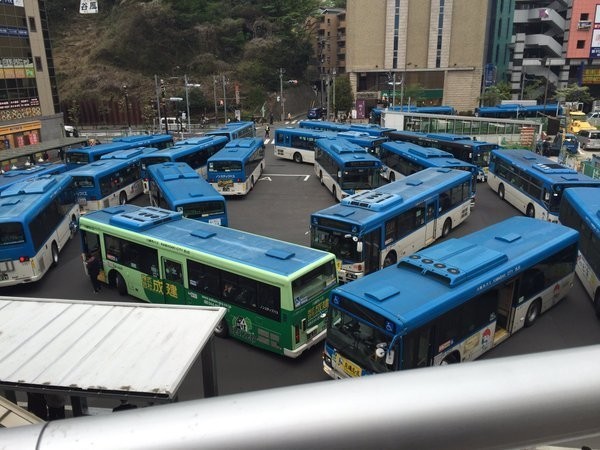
{"x":334,"y":110}
{"x":215,"y":92}
{"x":328,"y":89}
{"x":225,"y":98}
{"x":394,"y":89}
{"x":187,"y":103}
{"x":157,"y":101}
{"x":281,"y":71}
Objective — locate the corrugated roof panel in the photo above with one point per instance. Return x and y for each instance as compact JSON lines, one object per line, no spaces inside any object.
{"x":81,"y":345}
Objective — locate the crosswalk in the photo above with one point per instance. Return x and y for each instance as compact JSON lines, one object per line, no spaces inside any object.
{"x":286,"y":123}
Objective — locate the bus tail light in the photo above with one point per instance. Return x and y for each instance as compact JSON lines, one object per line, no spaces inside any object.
{"x":23,"y":259}
{"x":297,"y":333}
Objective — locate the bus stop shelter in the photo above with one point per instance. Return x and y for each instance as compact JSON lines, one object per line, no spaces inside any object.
{"x":84,"y":349}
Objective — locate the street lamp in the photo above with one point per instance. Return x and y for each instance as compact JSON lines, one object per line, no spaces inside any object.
{"x":127,"y":109}
{"x":187,"y":100}
{"x":334,"y":110}
{"x":225,"y":98}
{"x":281,"y":72}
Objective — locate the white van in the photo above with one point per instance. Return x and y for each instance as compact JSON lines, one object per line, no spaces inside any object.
{"x":174,"y":123}
{"x":589,"y":140}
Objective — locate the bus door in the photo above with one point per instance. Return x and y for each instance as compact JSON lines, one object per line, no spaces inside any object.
{"x":505,"y":311}
{"x":430,"y":220}
{"x":173,"y":289}
{"x":371,"y":249}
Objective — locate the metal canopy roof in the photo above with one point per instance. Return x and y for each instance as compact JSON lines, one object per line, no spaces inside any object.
{"x":87,"y":348}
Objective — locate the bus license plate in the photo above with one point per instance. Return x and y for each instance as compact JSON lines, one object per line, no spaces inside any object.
{"x":347,"y":366}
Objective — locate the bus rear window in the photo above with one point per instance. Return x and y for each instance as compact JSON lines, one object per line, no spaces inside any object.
{"x":78,"y":158}
{"x":313,"y":283}
{"x":199,"y":210}
{"x":225,"y":166}
{"x":83,"y":182}
{"x":11,"y":233}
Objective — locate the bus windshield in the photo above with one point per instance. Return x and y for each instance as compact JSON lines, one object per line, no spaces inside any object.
{"x":481,"y":158}
{"x":11,"y":233}
{"x":313,"y":283}
{"x":225,"y":166}
{"x":360,"y":179}
{"x":359,"y":342}
{"x":335,"y":242}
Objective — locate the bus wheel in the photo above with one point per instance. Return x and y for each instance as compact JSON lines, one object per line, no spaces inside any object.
{"x":321,"y":177}
{"x":532,"y":313}
{"x":122,"y":198}
{"x":252,"y":182}
{"x":597,"y":303}
{"x":297,"y":157}
{"x":450,"y":359}
{"x":73,"y":226}
{"x":447,"y":227}
{"x":120,"y":284}
{"x":501,"y":191}
{"x":221,"y":329}
{"x":54,"y":254}
{"x":390,"y":259}
{"x":392,"y":177}
{"x":530,"y":211}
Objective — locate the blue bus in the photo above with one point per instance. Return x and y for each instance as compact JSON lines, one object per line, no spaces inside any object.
{"x":401,"y":159}
{"x":580,"y":210}
{"x":195,"y":152}
{"x":461,"y":146}
{"x":38,"y":216}
{"x":375,"y":229}
{"x":375,"y":115}
{"x":107,"y":182}
{"x":516,"y":111}
{"x":237,"y":167}
{"x":14,"y":176}
{"x":372,"y":129}
{"x":235,"y":130}
{"x":76,"y":157}
{"x":451,"y":302}
{"x":177,"y":187}
{"x":298,"y":144}
{"x":346,"y":168}
{"x":532,"y":183}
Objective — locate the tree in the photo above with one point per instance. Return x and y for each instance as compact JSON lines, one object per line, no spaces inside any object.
{"x":344,"y":101}
{"x":493,"y":95}
{"x":574,"y":93}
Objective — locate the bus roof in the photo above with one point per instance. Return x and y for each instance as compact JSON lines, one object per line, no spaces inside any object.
{"x":100,"y":167}
{"x":188,"y":146}
{"x":25,"y":197}
{"x":441,"y":277}
{"x":15,"y":175}
{"x":545,"y":168}
{"x":144,"y":139}
{"x":184,"y":184}
{"x":230,"y":128}
{"x":278,"y":257}
{"x":101,"y":148}
{"x":357,"y":137}
{"x":586,"y":201}
{"x":237,"y":149}
{"x":433,"y":157}
{"x":344,"y":151}
{"x":367,"y":208}
{"x":131,"y":153}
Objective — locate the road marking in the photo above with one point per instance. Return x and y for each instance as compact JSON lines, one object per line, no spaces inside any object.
{"x":268,"y":177}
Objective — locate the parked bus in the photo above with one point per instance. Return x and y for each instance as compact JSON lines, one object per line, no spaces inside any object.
{"x":37,"y":218}
{"x":14,"y":176}
{"x":375,"y":115}
{"x":533,"y":183}
{"x":76,"y":157}
{"x":178,"y":187}
{"x":372,"y":129}
{"x":346,"y":168}
{"x":275,"y":292}
{"x":235,"y":130}
{"x":237,"y":166}
{"x":107,"y":182}
{"x":451,"y":302}
{"x":516,"y":111}
{"x":195,"y":152}
{"x":461,"y":146}
{"x":401,"y":159}
{"x":298,"y":144}
{"x":375,"y":229}
{"x":580,"y":210}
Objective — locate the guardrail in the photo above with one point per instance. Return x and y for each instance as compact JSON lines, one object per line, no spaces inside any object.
{"x":514,"y":402}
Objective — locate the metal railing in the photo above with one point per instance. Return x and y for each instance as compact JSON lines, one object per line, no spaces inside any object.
{"x":515,"y":402}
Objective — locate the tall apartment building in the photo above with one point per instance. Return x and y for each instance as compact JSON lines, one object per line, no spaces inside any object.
{"x":436,"y":44}
{"x":29,"y":104}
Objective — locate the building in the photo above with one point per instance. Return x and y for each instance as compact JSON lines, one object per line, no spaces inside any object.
{"x":29,"y":104}
{"x":438,"y":45}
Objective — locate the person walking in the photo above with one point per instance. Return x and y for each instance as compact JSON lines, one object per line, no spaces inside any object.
{"x":267,"y":129}
{"x":93,"y":266}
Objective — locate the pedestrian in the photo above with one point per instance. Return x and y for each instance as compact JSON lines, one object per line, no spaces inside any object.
{"x":93,"y":266}
{"x":289,"y":116}
{"x":267,"y":129}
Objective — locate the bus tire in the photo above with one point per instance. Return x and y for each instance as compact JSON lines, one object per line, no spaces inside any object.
{"x":447,"y":228}
{"x":390,"y":259}
{"x":452,"y":358}
{"x":530,"y":211}
{"x":122,"y":198}
{"x":73,"y":226}
{"x":298,"y":158}
{"x":392,"y":177}
{"x":252,"y":182}
{"x":221,"y":330}
{"x":533,"y":313}
{"x":501,"y":191}
{"x":120,"y":284}
{"x":321,"y":178}
{"x":597,"y":303}
{"x":54,"y":250}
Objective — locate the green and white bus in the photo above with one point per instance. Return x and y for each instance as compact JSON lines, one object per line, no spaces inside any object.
{"x":275,"y":292}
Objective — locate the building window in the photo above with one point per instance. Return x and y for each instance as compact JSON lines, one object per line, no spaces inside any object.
{"x":32,"y":26}
{"x":580,"y":44}
{"x":584,"y":16}
{"x":38,"y":64}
